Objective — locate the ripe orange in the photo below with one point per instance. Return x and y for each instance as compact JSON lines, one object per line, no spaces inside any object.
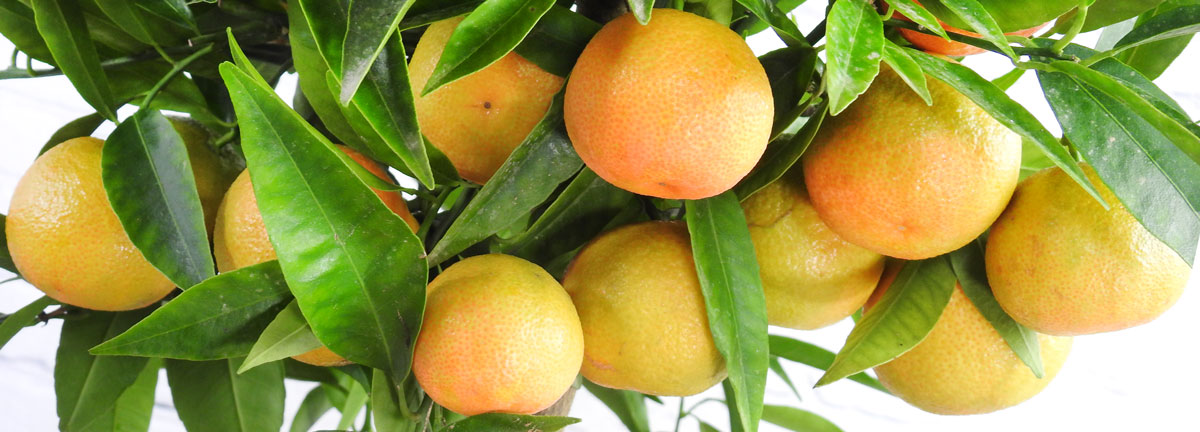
{"x":1061,"y":264}
{"x":811,"y":277}
{"x":478,"y":120}
{"x":679,"y":108}
{"x":908,"y":180}
{"x":964,"y":366}
{"x":499,"y":335}
{"x":644,"y":322}
{"x":938,"y":45}
{"x":240,"y":238}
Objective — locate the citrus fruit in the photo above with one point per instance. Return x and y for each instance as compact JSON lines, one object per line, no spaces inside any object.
{"x":963,"y":366}
{"x":240,"y":238}
{"x":1061,"y":264}
{"x":644,"y":322}
{"x":499,"y":335}
{"x":909,"y":180}
{"x":811,"y":277}
{"x":679,"y":108}
{"x":479,"y":119}
{"x":938,"y":45}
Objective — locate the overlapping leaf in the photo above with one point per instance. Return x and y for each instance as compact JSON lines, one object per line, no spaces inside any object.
{"x":855,"y":48}
{"x":210,"y":396}
{"x":490,"y":32}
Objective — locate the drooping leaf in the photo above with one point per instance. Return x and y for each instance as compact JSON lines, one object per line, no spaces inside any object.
{"x":855,"y":48}
{"x":80,"y":127}
{"x":972,"y":276}
{"x":777,"y":367}
{"x":629,"y":406}
{"x":902,"y":318}
{"x":796,"y":419}
{"x":907,"y":69}
{"x":425,"y":12}
{"x":86,"y":385}
{"x":768,"y":12}
{"x":981,"y":21}
{"x":149,"y":181}
{"x":918,"y":14}
{"x":780,"y":156}
{"x":315,"y":404}
{"x":211,"y":396}
{"x":287,"y":335}
{"x":750,"y":24}
{"x":497,"y":422}
{"x":736,"y":423}
{"x":573,"y":219}
{"x":219,"y":318}
{"x":1180,"y":21}
{"x":62,"y":25}
{"x":374,"y":23}
{"x":733,"y":296}
{"x":557,"y":40}
{"x":18,"y":26}
{"x":815,"y":356}
{"x":23,"y":317}
{"x":487,"y":34}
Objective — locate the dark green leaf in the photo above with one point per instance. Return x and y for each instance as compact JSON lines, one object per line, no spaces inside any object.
{"x":815,"y":356}
{"x":766,"y":10}
{"x":1180,"y":21}
{"x":497,"y":422}
{"x":18,"y":26}
{"x":305,"y":372}
{"x":557,"y":40}
{"x":573,"y":219}
{"x":779,"y":157}
{"x":80,"y":127}
{"x":733,"y":296}
{"x":6,"y":261}
{"x":1104,"y":13}
{"x":385,"y":404}
{"x":126,"y":12}
{"x":314,"y":405}
{"x":374,"y":22}
{"x":629,"y":406}
{"x":87,"y":385}
{"x":902,"y":318}
{"x":972,"y":276}
{"x":797,"y":419}
{"x":151,"y":187}
{"x":526,"y":179}
{"x":790,"y":71}
{"x":61,"y":24}
{"x":749,"y":25}
{"x":735,"y":415}
{"x":23,"y":317}
{"x":174,"y":11}
{"x":210,"y":396}
{"x":641,"y":10}
{"x":918,"y":14}
{"x":425,"y":12}
{"x":132,"y":410}
{"x":909,"y":70}
{"x":981,"y":21}
{"x":1153,"y":59}
{"x":355,"y":267}
{"x":287,"y":335}
{"x":219,"y":318}
{"x":312,"y":68}
{"x":855,"y":48}
{"x":489,"y":33}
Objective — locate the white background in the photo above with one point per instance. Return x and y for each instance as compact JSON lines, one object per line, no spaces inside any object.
{"x":1139,"y":379}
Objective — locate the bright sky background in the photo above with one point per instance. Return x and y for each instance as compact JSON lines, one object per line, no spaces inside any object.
{"x":1138,"y":379}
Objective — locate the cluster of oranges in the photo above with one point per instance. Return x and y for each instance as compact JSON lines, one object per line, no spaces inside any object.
{"x":681,"y":109}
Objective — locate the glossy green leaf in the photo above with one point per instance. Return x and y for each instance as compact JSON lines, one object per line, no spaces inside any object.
{"x":918,"y":14}
{"x":385,"y":404}
{"x":87,"y":385}
{"x":572,"y":220}
{"x":1152,"y":177}
{"x":219,"y":318}
{"x":287,"y":335}
{"x":61,"y":24}
{"x":629,"y":406}
{"x":497,"y":422}
{"x":80,"y":127}
{"x":1180,"y":21}
{"x":311,"y":69}
{"x":969,"y":268}
{"x":532,"y":172}
{"x":315,"y":404}
{"x":780,"y":156}
{"x":6,"y":261}
{"x":374,"y":23}
{"x":815,"y":356}
{"x":766,"y":10}
{"x":902,"y":318}
{"x":132,"y":410}
{"x":18,"y":26}
{"x":797,"y":419}
{"x":1152,"y":59}
{"x":355,"y":267}
{"x":790,"y":72}
{"x":981,"y":21}
{"x":425,"y":12}
{"x":854,"y":49}
{"x":777,"y":368}
{"x":641,"y":9}
{"x":211,"y":396}
{"x":23,"y":317}
{"x":749,"y":24}
{"x":733,"y":296}
{"x":720,"y":11}
{"x":489,"y":33}
{"x":557,"y":40}
{"x":908,"y":69}
{"x":1104,"y":13}
{"x":174,"y":11}
{"x":735,"y":416}
{"x":149,"y":181}
{"x":1005,"y":110}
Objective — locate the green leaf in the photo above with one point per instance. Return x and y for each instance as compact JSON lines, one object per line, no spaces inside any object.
{"x":733,"y":296}
{"x":80,"y":127}
{"x":641,"y":10}
{"x":61,"y":24}
{"x":150,"y":185}
{"x":629,"y":406}
{"x":735,"y":416}
{"x":497,"y":422}
{"x":1006,"y":111}
{"x":219,"y":318}
{"x":315,"y":404}
{"x":174,"y":11}
{"x":305,"y":372}
{"x":1153,"y":59}
{"x":720,"y":11}
{"x":23,"y":317}
{"x":908,"y":69}
{"x":855,"y":48}
{"x":132,"y":410}
{"x":815,"y":356}
{"x":18,"y":26}
{"x":489,"y":33}
{"x":287,"y":335}
{"x":355,"y":267}
{"x":981,"y":21}
{"x":767,"y":11}
{"x":356,"y":399}
{"x":797,"y":419}
{"x":425,"y":12}
{"x":385,"y":404}
{"x":211,"y":396}
{"x":574,"y":218}
{"x":6,"y":261}
{"x":1181,"y":21}
{"x":777,"y":368}
{"x":901,"y":319}
{"x":87,"y":385}
{"x":531,"y":173}
{"x":1152,"y":177}
{"x":780,"y":156}
{"x":374,"y":23}
{"x":969,"y":268}
{"x":705,"y":427}
{"x":312,"y":68}
{"x":1104,"y":13}
{"x":749,"y":25}
{"x":557,"y":40}
{"x":790,"y":72}
{"x":918,"y":14}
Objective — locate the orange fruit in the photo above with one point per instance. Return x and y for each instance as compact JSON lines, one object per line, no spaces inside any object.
{"x":937,"y":45}
{"x":240,"y":238}
{"x":679,"y":108}
{"x":811,"y":277}
{"x":1061,"y":264}
{"x":909,"y":180}
{"x":66,"y":240}
{"x":645,"y":326}
{"x":479,"y":119}
{"x":963,"y":366}
{"x":499,"y":335}
{"x":1026,"y":17}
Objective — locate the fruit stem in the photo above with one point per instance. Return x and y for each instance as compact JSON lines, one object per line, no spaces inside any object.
{"x":431,"y":213}
{"x":1076,"y":26}
{"x":175,"y":71}
{"x":679,"y":418}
